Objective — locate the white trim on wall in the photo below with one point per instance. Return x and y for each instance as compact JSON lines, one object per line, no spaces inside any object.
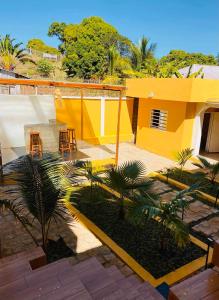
{"x":93,"y":98}
{"x":102,"y":116}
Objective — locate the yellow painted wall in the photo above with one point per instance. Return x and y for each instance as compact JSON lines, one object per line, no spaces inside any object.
{"x":111,"y":115}
{"x":174,"y":89}
{"x":69,"y":111}
{"x":178,"y":134}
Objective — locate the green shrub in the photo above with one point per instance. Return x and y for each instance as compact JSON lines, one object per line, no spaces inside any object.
{"x":44,"y":68}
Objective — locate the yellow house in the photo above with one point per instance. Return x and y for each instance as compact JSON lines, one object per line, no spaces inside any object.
{"x":171,"y":114}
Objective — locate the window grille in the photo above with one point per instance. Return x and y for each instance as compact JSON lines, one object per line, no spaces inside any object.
{"x":158,"y":119}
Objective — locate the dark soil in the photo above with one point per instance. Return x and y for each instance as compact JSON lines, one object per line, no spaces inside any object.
{"x":141,"y":242}
{"x":57,"y":250}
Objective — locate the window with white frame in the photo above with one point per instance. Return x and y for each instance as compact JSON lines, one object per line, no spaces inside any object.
{"x":158,"y":119}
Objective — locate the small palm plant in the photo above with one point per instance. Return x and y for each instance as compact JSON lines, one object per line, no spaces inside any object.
{"x":167,"y":214}
{"x":183,"y":156}
{"x":210,"y":170}
{"x":126,"y":179}
{"x":87,"y":170}
{"x":43,"y":186}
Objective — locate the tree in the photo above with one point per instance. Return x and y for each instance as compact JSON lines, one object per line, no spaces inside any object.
{"x":11,"y":54}
{"x":113,"y":57}
{"x":127,"y":179}
{"x":217,"y":59}
{"x":180,"y":59}
{"x":44,"y":67}
{"x":39,"y":45}
{"x":86,"y":46}
{"x":43,"y":186}
{"x":211,"y":170}
{"x":142,"y":53}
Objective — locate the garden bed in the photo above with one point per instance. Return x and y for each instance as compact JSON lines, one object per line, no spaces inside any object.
{"x":140,"y":242}
{"x":189,"y":178}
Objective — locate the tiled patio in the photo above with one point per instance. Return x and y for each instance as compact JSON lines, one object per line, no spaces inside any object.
{"x":204,"y":217}
{"x":127,"y":151}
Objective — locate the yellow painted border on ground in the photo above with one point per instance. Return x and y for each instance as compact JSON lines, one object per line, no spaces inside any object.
{"x":169,"y":278}
{"x":181,"y":186}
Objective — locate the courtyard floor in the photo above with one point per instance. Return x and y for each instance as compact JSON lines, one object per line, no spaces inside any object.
{"x":127,"y":151}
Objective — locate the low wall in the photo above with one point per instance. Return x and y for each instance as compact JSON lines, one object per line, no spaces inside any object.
{"x":96,"y":120}
{"x":17,"y":111}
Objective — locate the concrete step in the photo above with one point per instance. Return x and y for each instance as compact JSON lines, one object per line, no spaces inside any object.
{"x":62,"y":281}
{"x":114,"y":272}
{"x":147,"y":290}
{"x":14,"y":271}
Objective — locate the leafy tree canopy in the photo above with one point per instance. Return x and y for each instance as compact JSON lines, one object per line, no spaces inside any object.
{"x":86,"y":46}
{"x":181,"y":59}
{"x":39,"y":45}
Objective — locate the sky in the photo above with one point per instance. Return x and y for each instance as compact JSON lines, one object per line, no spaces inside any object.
{"x":190,"y":25}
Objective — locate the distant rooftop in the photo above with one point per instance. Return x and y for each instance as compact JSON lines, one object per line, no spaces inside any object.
{"x":11,"y":74}
{"x":210,"y":72}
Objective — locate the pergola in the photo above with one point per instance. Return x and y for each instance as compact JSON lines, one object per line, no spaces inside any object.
{"x":81,"y":87}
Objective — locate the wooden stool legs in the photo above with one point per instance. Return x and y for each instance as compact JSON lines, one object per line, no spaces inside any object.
{"x":64,"y":144}
{"x":35,"y":144}
{"x":72,"y":138}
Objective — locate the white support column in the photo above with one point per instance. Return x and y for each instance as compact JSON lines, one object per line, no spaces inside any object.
{"x":102,"y":116}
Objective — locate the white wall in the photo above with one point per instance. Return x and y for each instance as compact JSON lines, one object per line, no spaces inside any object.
{"x":19,"y":110}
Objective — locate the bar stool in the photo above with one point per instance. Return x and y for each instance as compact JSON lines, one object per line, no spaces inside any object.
{"x":72,"y":138}
{"x":35,"y":144}
{"x":64,"y":144}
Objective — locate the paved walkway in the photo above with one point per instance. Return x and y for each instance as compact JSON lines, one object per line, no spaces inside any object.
{"x":204,"y":217}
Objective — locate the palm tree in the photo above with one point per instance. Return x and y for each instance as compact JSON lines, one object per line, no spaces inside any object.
{"x":167,"y":214}
{"x":43,"y":186}
{"x":113,"y":56}
{"x":11,"y":53}
{"x":211,"y":170}
{"x":141,"y":53}
{"x":128,"y":180}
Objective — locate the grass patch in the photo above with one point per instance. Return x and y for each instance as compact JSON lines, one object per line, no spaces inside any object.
{"x":141,"y":242}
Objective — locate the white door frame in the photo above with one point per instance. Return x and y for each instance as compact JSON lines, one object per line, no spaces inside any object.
{"x":197,"y":127}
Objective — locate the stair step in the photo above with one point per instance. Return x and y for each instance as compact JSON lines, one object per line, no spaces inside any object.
{"x":70,"y":291}
{"x":47,"y":271}
{"x":114,"y":272}
{"x":13,"y":287}
{"x":94,"y":280}
{"x":22,"y":256}
{"x":87,"y":265}
{"x":149,"y":291}
{"x":37,"y":289}
{"x":103,"y":291}
{"x":134,"y":281}
{"x":14,"y":271}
